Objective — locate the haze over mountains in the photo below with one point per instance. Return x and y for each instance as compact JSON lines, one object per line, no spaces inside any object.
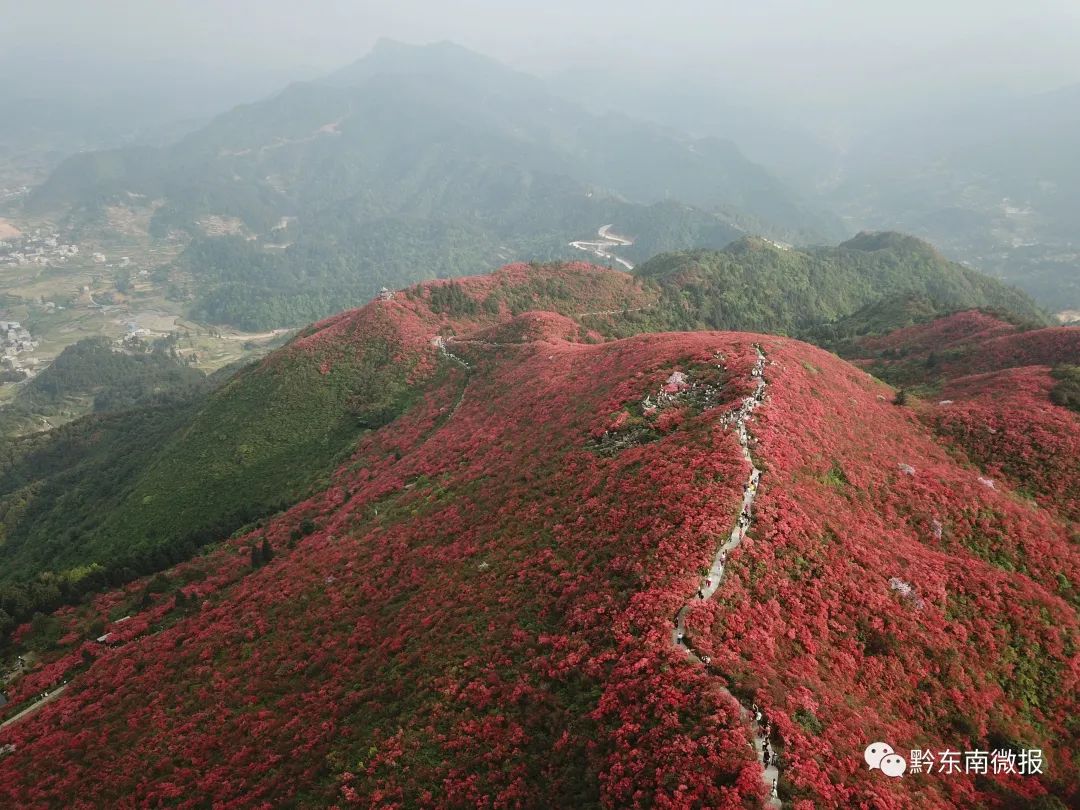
{"x":58,"y":104}
{"x":990,"y":179}
{"x":423,"y":148}
{"x":413,"y":163}
{"x":996,"y":182}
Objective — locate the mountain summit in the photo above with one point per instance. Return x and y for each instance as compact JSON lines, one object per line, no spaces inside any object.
{"x":441,"y":60}
{"x":415,"y":162}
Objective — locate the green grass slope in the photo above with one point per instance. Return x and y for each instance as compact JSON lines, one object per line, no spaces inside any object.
{"x":754,"y":284}
{"x":112,"y":496}
{"x":131,"y":492}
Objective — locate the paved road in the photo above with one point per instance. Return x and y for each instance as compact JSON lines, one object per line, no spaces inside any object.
{"x":606,"y":243}
{"x":613,"y":311}
{"x":33,"y":707}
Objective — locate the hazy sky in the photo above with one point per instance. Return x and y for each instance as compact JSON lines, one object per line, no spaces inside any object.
{"x":786,"y":49}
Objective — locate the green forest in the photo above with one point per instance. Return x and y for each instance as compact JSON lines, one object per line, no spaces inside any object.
{"x":113,"y":496}
{"x":753,"y":285}
{"x":94,"y":375}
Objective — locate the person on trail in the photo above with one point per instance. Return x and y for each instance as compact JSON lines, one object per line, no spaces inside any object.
{"x":700,"y":594}
{"x":679,"y":639}
{"x":774,"y":793}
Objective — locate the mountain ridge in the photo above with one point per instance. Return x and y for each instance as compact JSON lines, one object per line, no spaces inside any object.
{"x":478,"y":603}
{"x":273,"y":428}
{"x":429,"y":162}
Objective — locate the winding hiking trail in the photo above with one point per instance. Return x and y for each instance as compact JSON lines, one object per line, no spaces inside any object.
{"x":712,"y":581}
{"x":613,"y":311}
{"x":769,"y":773}
{"x":602,"y":248}
{"x":439,"y":342}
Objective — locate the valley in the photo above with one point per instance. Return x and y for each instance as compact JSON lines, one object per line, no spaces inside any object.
{"x":123,"y":288}
{"x":608,"y":242}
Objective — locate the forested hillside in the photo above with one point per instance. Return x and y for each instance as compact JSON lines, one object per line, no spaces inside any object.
{"x":755,"y":285}
{"x":334,"y":263}
{"x":94,"y":375}
{"x":108,"y":498}
{"x":138,"y":490}
{"x":415,"y":163}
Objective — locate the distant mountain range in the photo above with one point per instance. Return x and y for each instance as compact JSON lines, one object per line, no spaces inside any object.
{"x":61,"y":100}
{"x":706,"y":107}
{"x":995,"y":182}
{"x":402,"y":113}
{"x":991,"y":179}
{"x":413,"y":163}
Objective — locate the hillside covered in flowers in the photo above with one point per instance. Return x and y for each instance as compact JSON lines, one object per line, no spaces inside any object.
{"x":476,"y":607}
{"x":1003,"y":395}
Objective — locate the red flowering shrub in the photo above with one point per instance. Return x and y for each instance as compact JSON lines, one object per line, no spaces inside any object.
{"x":967,"y":343}
{"x":969,"y":328}
{"x":1007,"y":424}
{"x":810,"y":622}
{"x":477,"y":610}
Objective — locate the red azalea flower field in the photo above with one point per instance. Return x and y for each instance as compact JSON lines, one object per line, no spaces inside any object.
{"x":477,"y":611}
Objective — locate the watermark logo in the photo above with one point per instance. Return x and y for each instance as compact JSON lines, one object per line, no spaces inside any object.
{"x":881,"y":755}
